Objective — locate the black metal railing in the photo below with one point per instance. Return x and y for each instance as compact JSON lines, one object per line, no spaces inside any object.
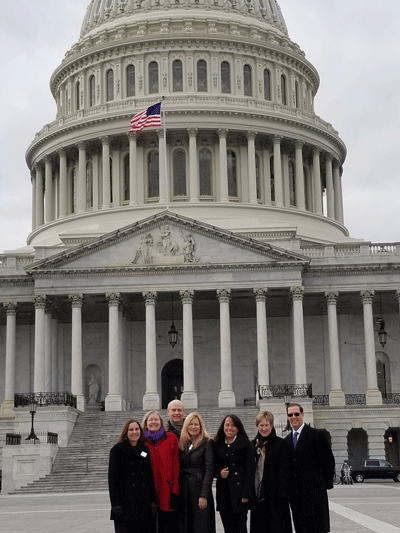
{"x":44,"y":398}
{"x":391,"y":397}
{"x":280,"y":391}
{"x":355,"y":399}
{"x":44,"y":437}
{"x":321,"y":399}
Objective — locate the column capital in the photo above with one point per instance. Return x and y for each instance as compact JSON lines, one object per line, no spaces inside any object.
{"x":132,"y":135}
{"x":299,"y":144}
{"x":76,"y":300}
{"x":251,"y":135}
{"x":192,"y":132}
{"x":150,"y":297}
{"x":11,"y":308}
{"x":277,"y":139}
{"x":329,"y":157}
{"x":48,"y":159}
{"x":224,"y":295}
{"x":114,"y":299}
{"x":39,"y":302}
{"x":316,"y":150}
{"x":297,"y":293}
{"x":367,"y":297}
{"x":105,"y":140}
{"x":81,"y":145}
{"x":260,"y":294}
{"x":331,"y":298}
{"x":160,"y":134}
{"x":62,"y":151}
{"x":336,"y":163}
{"x":187,"y":296}
{"x":398,"y":295}
{"x":222,"y":132}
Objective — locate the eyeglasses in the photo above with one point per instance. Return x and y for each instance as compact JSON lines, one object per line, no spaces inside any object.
{"x":293,"y":414}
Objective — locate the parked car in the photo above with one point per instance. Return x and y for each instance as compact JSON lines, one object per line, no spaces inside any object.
{"x":373,"y":469}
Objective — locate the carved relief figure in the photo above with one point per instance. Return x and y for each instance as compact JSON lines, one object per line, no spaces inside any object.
{"x":188,"y":248}
{"x":169,"y":247}
{"x":93,"y":390}
{"x":145,"y":249}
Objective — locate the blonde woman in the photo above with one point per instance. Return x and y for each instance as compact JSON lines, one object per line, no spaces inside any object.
{"x":196,"y":457}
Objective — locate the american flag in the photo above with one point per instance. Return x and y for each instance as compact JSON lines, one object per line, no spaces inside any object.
{"x":146,"y":118}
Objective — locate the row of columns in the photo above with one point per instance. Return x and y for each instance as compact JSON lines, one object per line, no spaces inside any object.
{"x":44,"y":206}
{"x":45,"y":362}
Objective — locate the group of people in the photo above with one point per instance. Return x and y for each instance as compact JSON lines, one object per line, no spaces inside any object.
{"x":160,"y":475}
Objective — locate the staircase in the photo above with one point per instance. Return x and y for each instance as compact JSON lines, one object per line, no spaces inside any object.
{"x":82,"y":465}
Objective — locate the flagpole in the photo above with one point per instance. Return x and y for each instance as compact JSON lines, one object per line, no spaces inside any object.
{"x":165,"y":155}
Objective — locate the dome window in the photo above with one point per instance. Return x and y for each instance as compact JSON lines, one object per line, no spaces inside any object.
{"x":77,"y":95}
{"x":247,"y":80}
{"x":153,"y":77}
{"x":232,"y":174}
{"x":283,"y":90}
{"x":225,"y":77}
{"x":201,"y":76}
{"x":92,"y":91}
{"x":110,"y":85}
{"x":177,"y":76}
{"x":179,"y":172}
{"x":130,"y":81}
{"x":205,"y":176}
{"x":267,"y":84}
{"x":153,"y":174}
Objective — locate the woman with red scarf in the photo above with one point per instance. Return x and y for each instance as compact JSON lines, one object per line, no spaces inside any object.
{"x":164,"y":455}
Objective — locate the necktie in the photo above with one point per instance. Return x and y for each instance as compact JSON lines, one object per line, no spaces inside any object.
{"x":295,"y":437}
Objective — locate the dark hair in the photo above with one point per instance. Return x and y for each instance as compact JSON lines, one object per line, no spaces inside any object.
{"x":294,"y":404}
{"x":220,"y":436}
{"x":124,"y":433}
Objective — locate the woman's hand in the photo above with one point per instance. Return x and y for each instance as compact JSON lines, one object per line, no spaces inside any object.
{"x":245,"y":500}
{"x":202,"y":503}
{"x":224,"y":473}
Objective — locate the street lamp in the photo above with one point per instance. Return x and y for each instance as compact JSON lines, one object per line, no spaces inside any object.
{"x":32,"y":409}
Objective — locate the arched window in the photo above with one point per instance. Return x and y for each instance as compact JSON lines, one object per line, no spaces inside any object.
{"x":179,"y":172}
{"x":110,"y":85}
{"x":126,"y":193}
{"x":92,"y":90}
{"x":292,"y":184}
{"x":267,"y":84}
{"x":271,"y":167}
{"x":247,"y":80}
{"x":232,"y":174}
{"x":202,"y":75}
{"x":72,"y":191}
{"x":89,"y":184}
{"x":177,"y":76}
{"x":296,"y":94}
{"x":77,"y":95}
{"x":130,"y":80}
{"x":153,"y":77}
{"x":383,"y":373}
{"x":225,"y":77}
{"x":153,"y":174}
{"x":205,"y":176}
{"x":258,"y":177}
{"x":283,"y":90}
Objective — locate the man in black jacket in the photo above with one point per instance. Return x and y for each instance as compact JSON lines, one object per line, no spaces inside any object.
{"x":175,"y":412}
{"x":312,"y":470}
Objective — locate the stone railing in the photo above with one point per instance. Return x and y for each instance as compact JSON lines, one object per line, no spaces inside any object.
{"x":280,"y":391}
{"x":346,"y":250}
{"x":45,"y":399}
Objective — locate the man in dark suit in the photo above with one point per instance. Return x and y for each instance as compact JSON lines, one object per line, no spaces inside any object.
{"x":176,"y":417}
{"x":312,"y":470}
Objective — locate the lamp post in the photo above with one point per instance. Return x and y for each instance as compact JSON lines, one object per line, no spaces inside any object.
{"x":173,"y":332}
{"x":32,"y":410}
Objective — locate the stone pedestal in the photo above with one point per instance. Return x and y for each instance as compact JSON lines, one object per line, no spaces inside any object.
{"x":7,"y":409}
{"x":151,"y":401}
{"x":114,"y":402}
{"x":226,"y":398}
{"x":189,"y":399}
{"x":336,"y":398}
{"x":373,"y":397}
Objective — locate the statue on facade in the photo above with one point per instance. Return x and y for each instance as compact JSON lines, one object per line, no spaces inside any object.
{"x":93,"y":390}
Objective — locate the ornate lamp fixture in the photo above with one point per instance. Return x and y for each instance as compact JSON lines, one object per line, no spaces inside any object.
{"x":382,"y":335}
{"x":32,"y":410}
{"x":173,"y":332}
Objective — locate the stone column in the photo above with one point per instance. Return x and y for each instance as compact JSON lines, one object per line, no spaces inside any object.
{"x":330,"y":195}
{"x":114,"y":399}
{"x":223,"y":166}
{"x":81,"y":182}
{"x":278,"y":176}
{"x":33,"y":183}
{"x":105,"y":142}
{"x":317,"y":181}
{"x":151,"y":399}
{"x":48,"y":330}
{"x":38,"y":376}
{"x":54,"y":351}
{"x":7,"y":407}
{"x":76,"y":351}
{"x":226,"y":396}
{"x":398,"y":298}
{"x":63,"y":183}
{"x":164,"y":186}
{"x":39,"y":197}
{"x":95,"y":162}
{"x":133,"y":192}
{"x":300,"y":373}
{"x":49,"y":194}
{"x":373,"y":394}
{"x":116,"y":174}
{"x":267,"y":174}
{"x":336,"y":394}
{"x":337,"y":186}
{"x":260,"y":296}
{"x":193,"y":173}
{"x":300,"y":189}
{"x":189,"y":395}
{"x":251,"y":159}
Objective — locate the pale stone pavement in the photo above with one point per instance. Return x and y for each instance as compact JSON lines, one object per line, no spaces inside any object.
{"x":363,"y":508}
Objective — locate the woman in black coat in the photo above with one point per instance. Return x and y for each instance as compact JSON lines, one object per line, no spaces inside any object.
{"x":234,"y":457}
{"x":130,"y":482}
{"x":271,"y":513}
{"x":196,"y":458}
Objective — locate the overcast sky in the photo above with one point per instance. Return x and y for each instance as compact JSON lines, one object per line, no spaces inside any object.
{"x":354,"y":45}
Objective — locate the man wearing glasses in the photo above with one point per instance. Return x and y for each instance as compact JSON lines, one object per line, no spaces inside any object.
{"x":312,"y":470}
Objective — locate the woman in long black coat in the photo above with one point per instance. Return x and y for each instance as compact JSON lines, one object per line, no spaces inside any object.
{"x":196,"y":458}
{"x":130,"y":482}
{"x":271,"y":512}
{"x":234,"y":468}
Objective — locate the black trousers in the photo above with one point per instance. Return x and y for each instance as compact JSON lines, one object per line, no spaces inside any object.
{"x":234,"y":523}
{"x":136,"y":526}
{"x":167,"y":521}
